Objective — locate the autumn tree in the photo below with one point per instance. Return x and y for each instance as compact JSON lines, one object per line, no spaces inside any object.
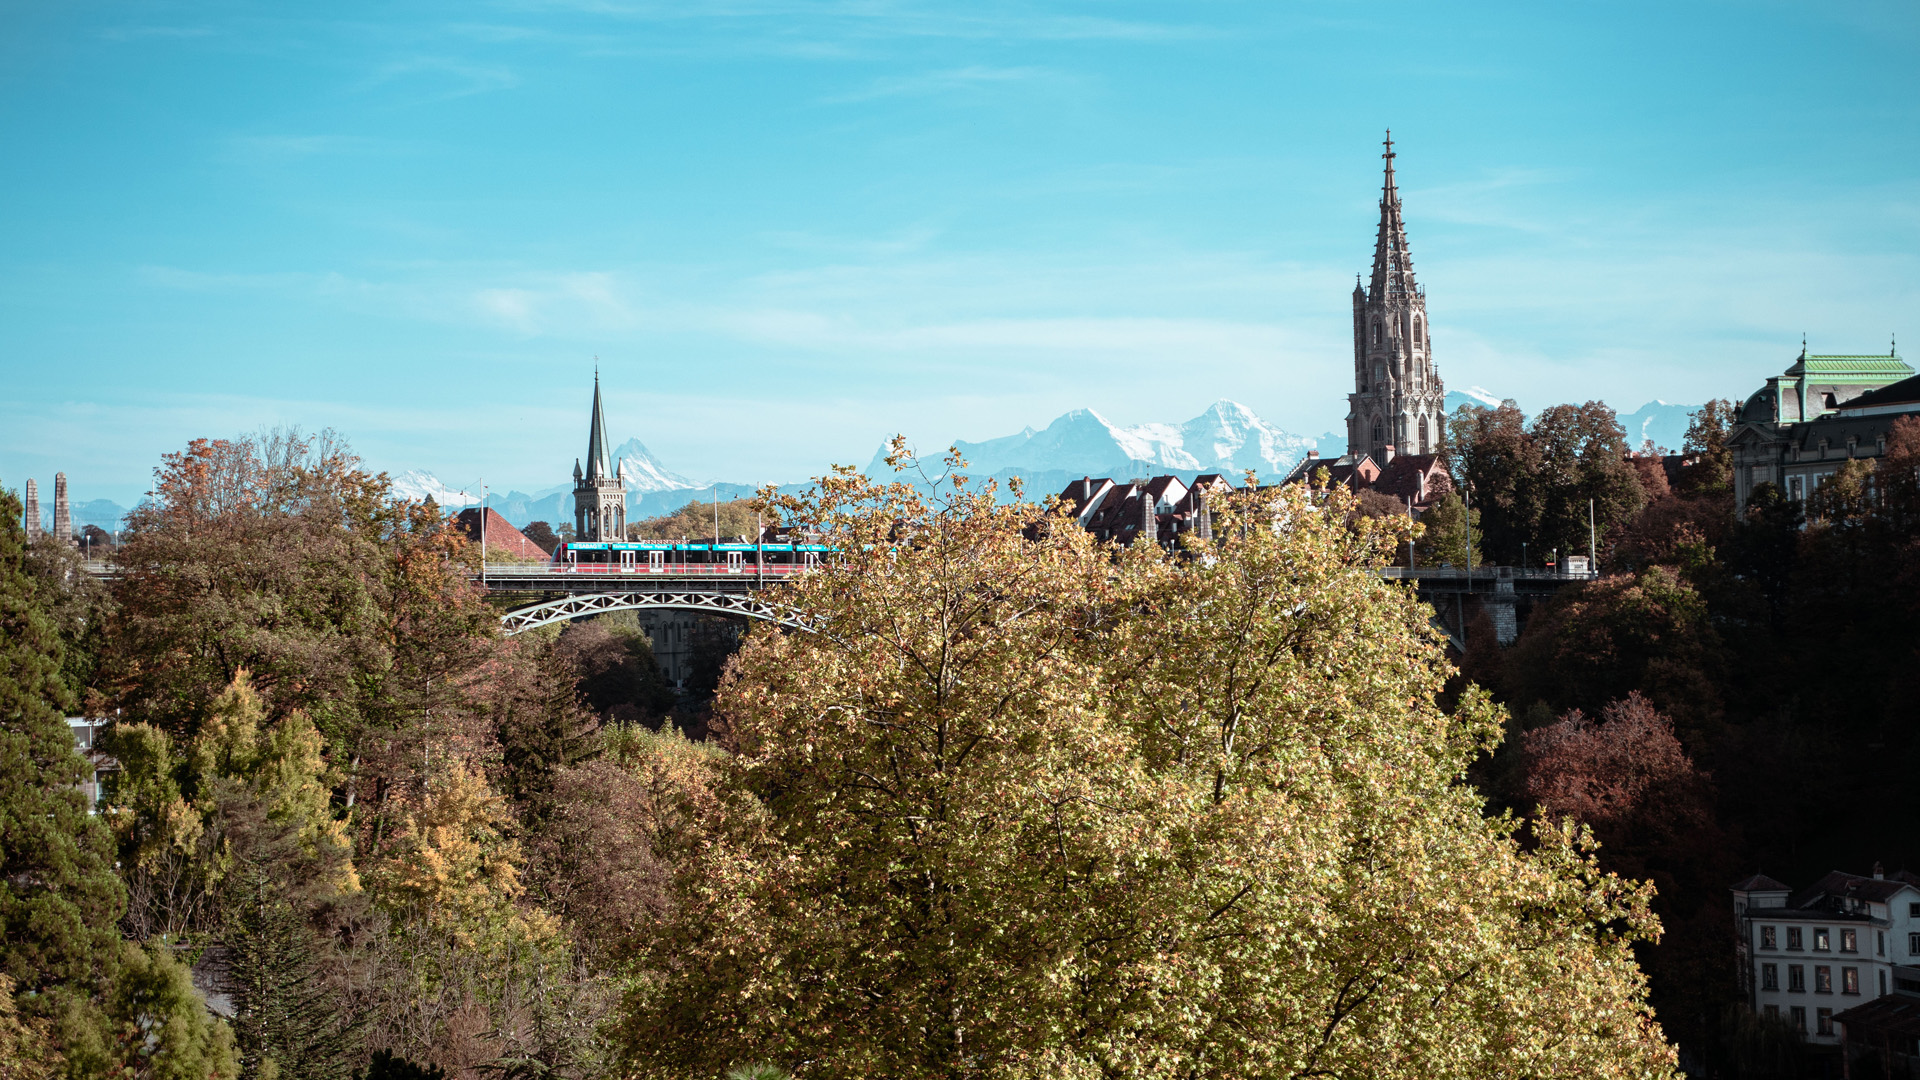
{"x":1040,"y":807}
{"x":1625,"y":775}
{"x":279,"y":554}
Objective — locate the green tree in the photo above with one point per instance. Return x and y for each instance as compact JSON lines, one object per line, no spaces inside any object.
{"x":1038,"y":807}
{"x":1450,"y":535}
{"x":1491,"y":454}
{"x":1708,"y":470}
{"x":154,"y":1026}
{"x":1584,"y":484}
{"x":542,"y":534}
{"x":59,"y":897}
{"x":288,"y":1021}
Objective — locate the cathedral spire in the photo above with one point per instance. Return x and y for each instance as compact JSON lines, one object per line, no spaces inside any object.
{"x":1392,"y":262}
{"x":599,"y":466}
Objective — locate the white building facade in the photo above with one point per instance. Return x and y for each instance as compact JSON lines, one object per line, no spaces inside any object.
{"x":1806,"y":957}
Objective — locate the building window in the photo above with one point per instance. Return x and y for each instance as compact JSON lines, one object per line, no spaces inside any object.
{"x":1376,"y":333}
{"x":1850,"y":980}
{"x":1799,"y":1013}
{"x":1913,"y":944}
{"x":1821,"y":941}
{"x":1824,"y":1017}
{"x":1768,"y":938}
{"x":1773,"y":1013}
{"x":1416,"y":329}
{"x":1796,"y":979}
{"x":1822,"y":979}
{"x":1769,"y":976}
{"x":1883,"y":984}
{"x":1849,"y":941}
{"x":1793,"y":937}
{"x":1880,"y":943}
{"x":1913,"y":911}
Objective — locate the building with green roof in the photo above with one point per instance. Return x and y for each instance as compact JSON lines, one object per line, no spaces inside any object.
{"x":1801,"y":426}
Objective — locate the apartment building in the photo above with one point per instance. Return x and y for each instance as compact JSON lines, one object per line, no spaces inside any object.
{"x":1805,"y":957}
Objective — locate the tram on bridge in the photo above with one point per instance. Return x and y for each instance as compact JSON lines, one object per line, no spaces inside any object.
{"x":641,"y":557}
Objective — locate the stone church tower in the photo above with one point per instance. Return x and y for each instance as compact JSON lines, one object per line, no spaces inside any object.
{"x":1398,"y":399}
{"x":600,"y":493}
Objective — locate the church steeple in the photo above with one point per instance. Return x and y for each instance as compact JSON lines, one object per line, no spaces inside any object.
{"x":599,"y":492}
{"x":1398,"y":400}
{"x":1392,"y":262}
{"x":599,"y":464}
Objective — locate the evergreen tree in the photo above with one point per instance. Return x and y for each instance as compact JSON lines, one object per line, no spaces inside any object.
{"x":155,"y":1026}
{"x":288,"y":1021}
{"x":387,"y":1065}
{"x":59,"y":897}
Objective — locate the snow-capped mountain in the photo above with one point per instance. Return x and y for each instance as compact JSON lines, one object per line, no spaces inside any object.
{"x":644,"y":472}
{"x":1227,"y":438}
{"x":1663,"y":423}
{"x":416,"y":486}
{"x":1472,"y":395}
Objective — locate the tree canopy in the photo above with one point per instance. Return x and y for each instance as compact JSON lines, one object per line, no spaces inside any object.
{"x":1037,"y":806}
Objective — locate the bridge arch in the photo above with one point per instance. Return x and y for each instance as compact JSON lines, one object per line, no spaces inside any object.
{"x":569,"y":608}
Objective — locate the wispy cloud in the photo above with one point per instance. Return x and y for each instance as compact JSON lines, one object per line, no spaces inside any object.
{"x":275,"y":148}
{"x":138,"y":33}
{"x":951,"y":81}
{"x":883,"y":19}
{"x":445,"y":77}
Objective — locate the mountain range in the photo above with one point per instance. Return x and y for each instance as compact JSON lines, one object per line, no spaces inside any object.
{"x":1226,"y":438}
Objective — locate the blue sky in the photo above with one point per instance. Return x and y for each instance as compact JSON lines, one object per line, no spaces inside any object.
{"x":790,"y":229}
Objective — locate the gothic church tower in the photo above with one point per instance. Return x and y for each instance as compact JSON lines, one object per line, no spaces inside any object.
{"x":1398,"y":399}
{"x":600,"y":493}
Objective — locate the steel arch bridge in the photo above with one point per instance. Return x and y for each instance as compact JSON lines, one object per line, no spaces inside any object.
{"x":568,"y":608}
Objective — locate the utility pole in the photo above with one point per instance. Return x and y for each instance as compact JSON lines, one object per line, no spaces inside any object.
{"x":716,"y":516}
{"x":483,"y":532}
{"x":1466,"y":496}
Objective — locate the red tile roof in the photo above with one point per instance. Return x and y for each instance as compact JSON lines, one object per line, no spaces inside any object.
{"x":500,"y":534}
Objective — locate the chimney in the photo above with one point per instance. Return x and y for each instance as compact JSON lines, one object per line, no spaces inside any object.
{"x":1387,"y":452}
{"x":1879,"y":872}
{"x":1313,"y":453}
{"x":62,"y":520}
{"x":33,"y":511}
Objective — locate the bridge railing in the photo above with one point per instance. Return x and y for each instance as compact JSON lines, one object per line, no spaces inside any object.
{"x":1486,"y":573}
{"x":642,"y":571}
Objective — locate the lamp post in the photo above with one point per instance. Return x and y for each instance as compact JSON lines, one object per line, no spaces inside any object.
{"x":1593,"y":547}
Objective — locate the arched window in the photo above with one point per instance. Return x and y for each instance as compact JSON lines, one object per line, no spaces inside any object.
{"x":1379,"y":434}
{"x":1416,"y":329}
{"x":1376,"y":333}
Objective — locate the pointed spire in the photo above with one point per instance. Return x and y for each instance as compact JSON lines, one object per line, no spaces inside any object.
{"x":1392,"y":262}
{"x":599,"y":467}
